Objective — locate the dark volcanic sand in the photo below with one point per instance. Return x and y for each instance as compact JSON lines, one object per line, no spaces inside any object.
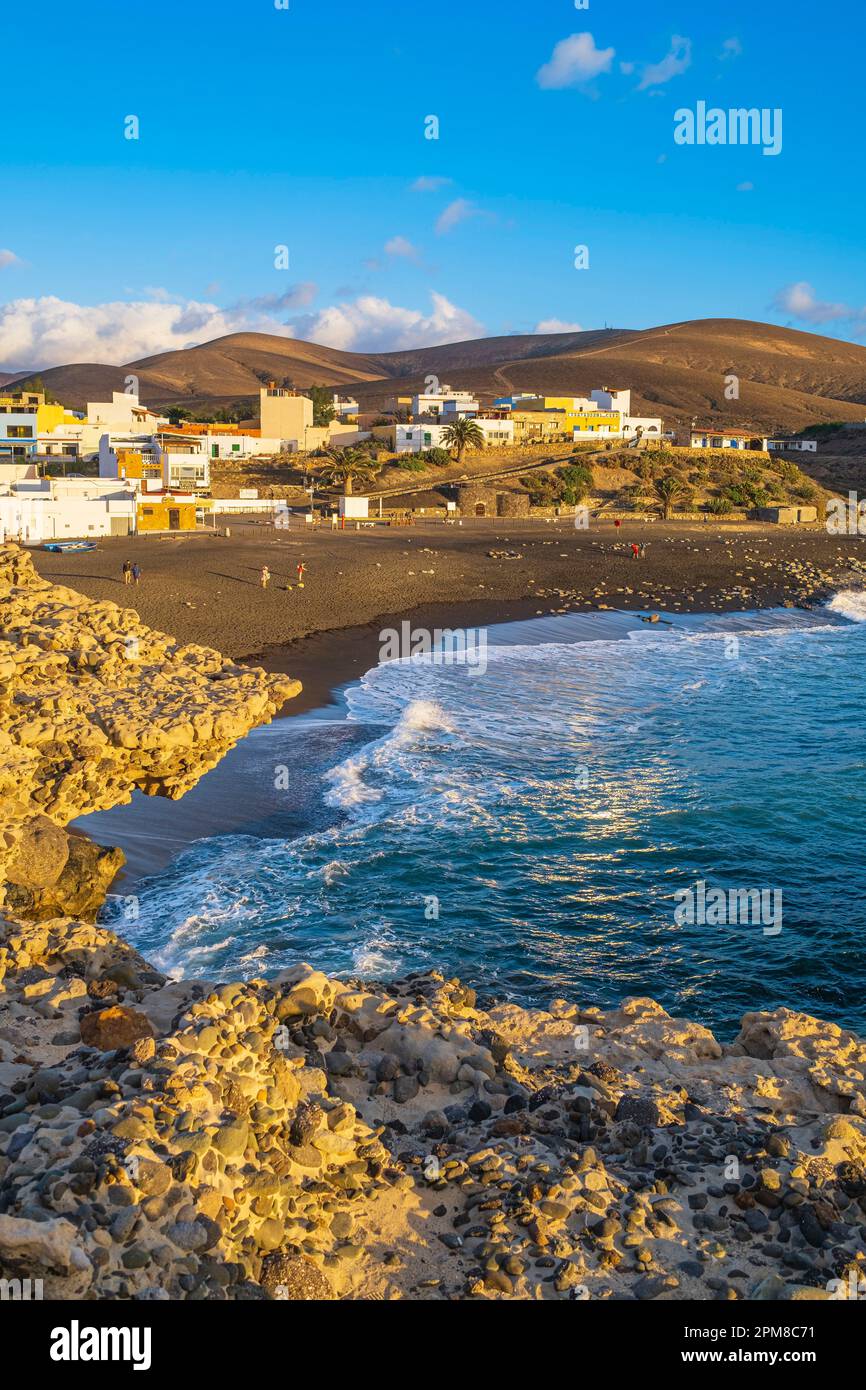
{"x":205,"y":588}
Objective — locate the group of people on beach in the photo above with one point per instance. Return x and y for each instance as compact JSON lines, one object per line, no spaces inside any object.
{"x":265,"y":576}
{"x":131,"y":572}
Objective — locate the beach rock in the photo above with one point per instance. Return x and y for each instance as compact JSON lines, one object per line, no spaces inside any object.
{"x":115,"y":1027}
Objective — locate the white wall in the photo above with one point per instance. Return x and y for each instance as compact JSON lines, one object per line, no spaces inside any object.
{"x":613,"y":400}
{"x":414,"y":439}
{"x":42,"y":518}
{"x":239,"y":446}
{"x":803,"y":446}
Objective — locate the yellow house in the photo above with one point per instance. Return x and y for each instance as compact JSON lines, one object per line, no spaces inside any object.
{"x":48,"y":417}
{"x":131,"y":463}
{"x":165,"y":513}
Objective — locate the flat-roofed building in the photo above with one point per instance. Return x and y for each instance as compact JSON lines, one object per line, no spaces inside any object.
{"x":285,"y":415}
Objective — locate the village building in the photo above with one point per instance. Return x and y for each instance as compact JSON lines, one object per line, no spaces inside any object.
{"x":792,"y":445}
{"x":603,"y":413}
{"x":415,"y":438}
{"x":286,"y":416}
{"x":492,"y":499}
{"x":708,"y":438}
{"x":787,"y":516}
{"x":48,"y":509}
{"x":166,"y":511}
{"x":346,"y":408}
{"x":443,"y":402}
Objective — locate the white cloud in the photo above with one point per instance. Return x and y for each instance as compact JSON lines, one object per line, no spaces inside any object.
{"x":459,"y":211}
{"x":676,"y":62}
{"x":556,"y":326}
{"x":371,"y":324}
{"x":430,"y":183}
{"x":574,"y":60}
{"x":731,"y":48}
{"x":7,"y":258}
{"x":801,"y":301}
{"x":52,"y":332}
{"x":400,"y":247}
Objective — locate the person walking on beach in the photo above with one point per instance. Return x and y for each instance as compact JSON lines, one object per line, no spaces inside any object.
{"x":136,"y":574}
{"x":265,"y":577}
{"x":302,"y":569}
{"x":617,"y":523}
{"x":127,"y":572}
{"x":635,"y":550}
{"x":643,"y":552}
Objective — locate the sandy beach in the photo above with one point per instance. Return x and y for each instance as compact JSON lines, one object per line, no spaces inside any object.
{"x":205,"y":588}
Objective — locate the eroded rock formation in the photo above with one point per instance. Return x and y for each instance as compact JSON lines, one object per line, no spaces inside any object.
{"x":94,"y":705}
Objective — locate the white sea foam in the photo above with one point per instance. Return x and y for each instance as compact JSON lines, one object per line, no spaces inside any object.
{"x":849,"y":603}
{"x":349,"y":789}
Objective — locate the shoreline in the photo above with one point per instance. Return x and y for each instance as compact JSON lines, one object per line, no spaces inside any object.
{"x":206,"y":589}
{"x":298,"y":1137}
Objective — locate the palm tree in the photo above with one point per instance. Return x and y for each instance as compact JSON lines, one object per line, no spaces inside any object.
{"x":667,"y":490}
{"x":463,"y":434}
{"x":348,"y":466}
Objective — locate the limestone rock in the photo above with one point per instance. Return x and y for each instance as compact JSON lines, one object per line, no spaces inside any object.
{"x":115,"y":1027}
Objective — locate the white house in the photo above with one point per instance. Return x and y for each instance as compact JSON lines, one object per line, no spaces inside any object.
{"x":802,"y":446}
{"x":124,"y":412}
{"x":178,"y":462}
{"x":437,"y":403}
{"x":414,"y":439}
{"x":345,"y":405}
{"x":237,"y":446}
{"x":46,"y":509}
{"x":726,"y":439}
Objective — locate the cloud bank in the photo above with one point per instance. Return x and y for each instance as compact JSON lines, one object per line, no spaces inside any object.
{"x":51,"y":332}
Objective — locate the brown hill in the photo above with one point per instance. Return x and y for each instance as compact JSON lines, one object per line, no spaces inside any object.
{"x":787,"y":379}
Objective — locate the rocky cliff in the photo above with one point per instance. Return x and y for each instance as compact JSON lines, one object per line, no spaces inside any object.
{"x":94,"y":705}
{"x":303,"y":1137}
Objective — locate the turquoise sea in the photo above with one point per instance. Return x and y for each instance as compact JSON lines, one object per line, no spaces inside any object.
{"x":528,"y":827}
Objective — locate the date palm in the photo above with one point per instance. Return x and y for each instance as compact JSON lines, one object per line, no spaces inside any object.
{"x":667,"y":490}
{"x":463,"y":434}
{"x":347,"y":467}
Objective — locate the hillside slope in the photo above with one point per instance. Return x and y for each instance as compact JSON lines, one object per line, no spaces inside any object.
{"x":787,"y":379}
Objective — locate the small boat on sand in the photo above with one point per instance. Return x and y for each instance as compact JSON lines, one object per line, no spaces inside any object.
{"x":65,"y":546}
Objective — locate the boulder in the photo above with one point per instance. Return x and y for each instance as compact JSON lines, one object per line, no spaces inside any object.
{"x":108,"y":1029}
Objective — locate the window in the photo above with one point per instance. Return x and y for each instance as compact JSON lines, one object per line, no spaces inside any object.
{"x":236,"y":448}
{"x":20,"y":431}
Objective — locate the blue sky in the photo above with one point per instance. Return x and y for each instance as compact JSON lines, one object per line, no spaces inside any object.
{"x":305,"y":127}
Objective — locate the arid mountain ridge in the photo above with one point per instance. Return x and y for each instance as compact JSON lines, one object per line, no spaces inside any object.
{"x":787,"y":379}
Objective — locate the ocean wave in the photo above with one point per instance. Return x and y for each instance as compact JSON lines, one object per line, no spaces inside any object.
{"x":850,"y":603}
